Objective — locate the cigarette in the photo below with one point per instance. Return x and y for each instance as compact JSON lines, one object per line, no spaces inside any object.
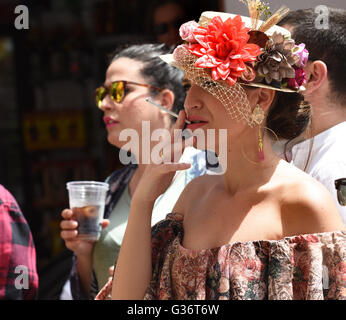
{"x":164,"y":109}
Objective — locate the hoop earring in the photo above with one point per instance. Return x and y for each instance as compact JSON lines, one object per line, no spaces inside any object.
{"x":257,"y":117}
{"x":272,"y":132}
{"x":258,"y":162}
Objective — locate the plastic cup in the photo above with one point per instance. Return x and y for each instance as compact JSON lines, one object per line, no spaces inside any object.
{"x":87,"y":201}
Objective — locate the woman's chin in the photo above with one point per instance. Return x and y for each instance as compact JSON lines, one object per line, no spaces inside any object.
{"x":114,"y":142}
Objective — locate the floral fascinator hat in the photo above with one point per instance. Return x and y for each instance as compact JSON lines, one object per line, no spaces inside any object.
{"x":224,"y":51}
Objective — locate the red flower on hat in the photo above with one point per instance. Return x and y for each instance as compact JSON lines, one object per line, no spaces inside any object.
{"x":222,"y":47}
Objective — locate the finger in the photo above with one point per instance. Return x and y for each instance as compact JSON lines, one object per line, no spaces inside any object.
{"x":184,"y":135}
{"x":172,"y":167}
{"x":190,"y":141}
{"x":68,"y":235}
{"x":177,"y":135}
{"x":180,"y":122}
{"x":174,"y":134}
{"x":105,"y":223}
{"x":67,"y":213}
{"x":187,"y":133}
{"x":111,"y":270}
{"x":173,"y":137}
{"x":178,"y":148}
{"x":68,"y":224}
{"x":173,"y":152}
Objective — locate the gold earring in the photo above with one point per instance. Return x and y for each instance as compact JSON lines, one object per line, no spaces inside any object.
{"x":258,"y":117}
{"x":258,"y":114}
{"x":161,"y":154}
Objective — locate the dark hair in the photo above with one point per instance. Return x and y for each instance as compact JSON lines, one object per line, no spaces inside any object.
{"x":289,"y":115}
{"x":328,"y":45}
{"x":157,"y":72}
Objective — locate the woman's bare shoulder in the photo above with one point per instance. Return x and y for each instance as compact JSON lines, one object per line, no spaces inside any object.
{"x":193,"y":192}
{"x":307,"y":205}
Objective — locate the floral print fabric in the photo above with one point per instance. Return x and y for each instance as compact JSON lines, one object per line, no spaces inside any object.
{"x":303,"y":267}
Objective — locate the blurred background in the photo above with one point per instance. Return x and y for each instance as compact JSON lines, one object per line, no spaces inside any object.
{"x":50,"y":129}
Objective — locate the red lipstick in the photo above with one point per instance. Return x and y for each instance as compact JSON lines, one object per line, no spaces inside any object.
{"x":196,"y":122}
{"x":109,"y":122}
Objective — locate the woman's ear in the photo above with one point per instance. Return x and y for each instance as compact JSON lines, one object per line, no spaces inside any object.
{"x":166,"y":98}
{"x":265,"y":98}
{"x":316,"y":74}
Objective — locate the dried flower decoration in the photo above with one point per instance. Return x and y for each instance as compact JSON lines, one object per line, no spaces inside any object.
{"x":278,"y":64}
{"x":274,"y":19}
{"x":276,"y":61}
{"x":257,"y":9}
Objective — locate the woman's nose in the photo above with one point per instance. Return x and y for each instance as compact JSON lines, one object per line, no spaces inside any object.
{"x":107,"y":103}
{"x":192,"y":102}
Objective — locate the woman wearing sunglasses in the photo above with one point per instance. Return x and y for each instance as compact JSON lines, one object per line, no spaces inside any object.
{"x":134,"y":74}
{"x":262,"y":230}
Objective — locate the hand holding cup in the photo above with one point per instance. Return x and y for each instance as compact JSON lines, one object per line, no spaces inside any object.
{"x":83,"y":222}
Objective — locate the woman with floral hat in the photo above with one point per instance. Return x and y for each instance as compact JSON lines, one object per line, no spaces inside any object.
{"x":261,"y":230}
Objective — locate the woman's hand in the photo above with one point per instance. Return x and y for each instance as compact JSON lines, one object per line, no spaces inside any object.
{"x":158,"y":177}
{"x":111,"y":272}
{"x":69,"y":234}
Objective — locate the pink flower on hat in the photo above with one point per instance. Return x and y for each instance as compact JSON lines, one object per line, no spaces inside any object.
{"x":298,"y":80}
{"x":303,"y":55}
{"x":186,"y":31}
{"x":178,"y":53}
{"x":222,"y":47}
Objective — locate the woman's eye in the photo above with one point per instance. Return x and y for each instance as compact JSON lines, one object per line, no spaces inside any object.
{"x":187,"y":86}
{"x":205,"y":82}
{"x":127,"y":90}
{"x":209,"y":84}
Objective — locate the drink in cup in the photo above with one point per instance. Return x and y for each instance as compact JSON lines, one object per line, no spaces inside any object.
{"x":87,"y":201}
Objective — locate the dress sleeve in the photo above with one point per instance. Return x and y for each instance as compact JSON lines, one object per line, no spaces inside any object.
{"x":163,"y":233}
{"x":308,"y":267}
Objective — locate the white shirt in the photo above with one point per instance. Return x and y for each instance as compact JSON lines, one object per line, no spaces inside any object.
{"x":327,"y":160}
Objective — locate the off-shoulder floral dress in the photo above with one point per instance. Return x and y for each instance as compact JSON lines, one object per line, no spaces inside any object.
{"x":302,"y":267}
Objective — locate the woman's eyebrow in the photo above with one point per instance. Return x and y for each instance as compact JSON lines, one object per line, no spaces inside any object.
{"x":186,"y":81}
